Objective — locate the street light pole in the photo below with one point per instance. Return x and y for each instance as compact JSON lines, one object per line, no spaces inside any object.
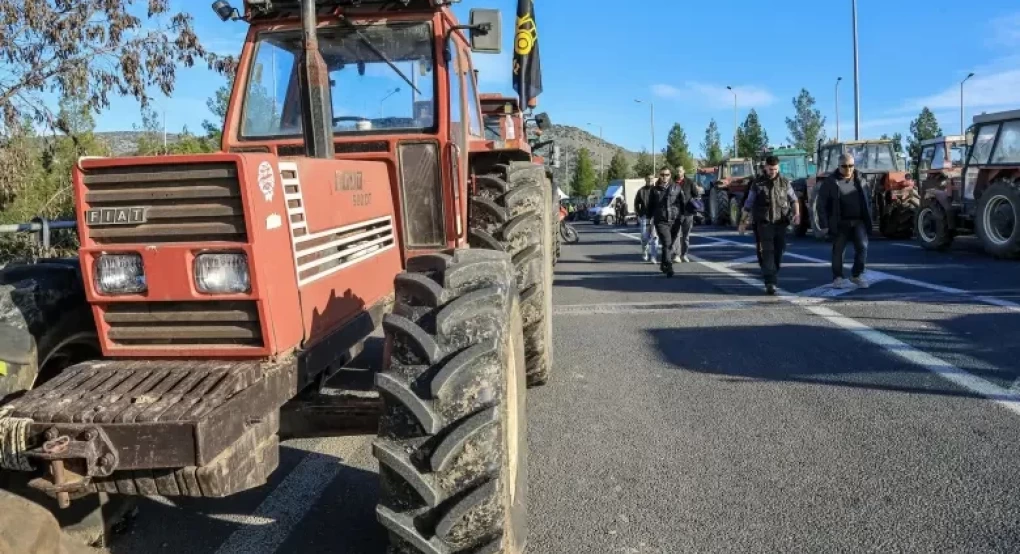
{"x":838,"y":79}
{"x":736,"y":150}
{"x":963,"y":128}
{"x":602,"y":154}
{"x":857,"y":81}
{"x":651,"y":106}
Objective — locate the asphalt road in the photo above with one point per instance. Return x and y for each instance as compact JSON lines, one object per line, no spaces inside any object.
{"x":695,"y":414}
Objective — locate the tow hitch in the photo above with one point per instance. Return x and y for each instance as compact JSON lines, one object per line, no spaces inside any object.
{"x":73,"y":462}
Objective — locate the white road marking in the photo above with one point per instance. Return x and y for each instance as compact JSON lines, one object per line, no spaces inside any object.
{"x":905,"y":245}
{"x":272,"y":522}
{"x":999,"y":395}
{"x":742,"y":261}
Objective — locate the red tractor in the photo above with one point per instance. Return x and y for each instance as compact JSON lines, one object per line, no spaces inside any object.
{"x":972,"y":185}
{"x":729,"y":187}
{"x":355,"y":189}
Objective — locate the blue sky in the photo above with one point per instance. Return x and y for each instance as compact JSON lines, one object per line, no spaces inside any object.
{"x":599,"y":56}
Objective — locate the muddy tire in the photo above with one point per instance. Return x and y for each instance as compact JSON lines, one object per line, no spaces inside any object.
{"x":511,"y":213}
{"x":452,"y":445}
{"x":722,"y":206}
{"x":805,"y":219}
{"x":817,"y":230}
{"x":898,"y":218}
{"x":998,"y":219}
{"x":931,"y":226}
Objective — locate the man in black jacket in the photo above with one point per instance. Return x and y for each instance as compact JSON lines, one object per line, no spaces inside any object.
{"x":845,"y":202}
{"x":772,"y":205}
{"x":691,"y":191}
{"x":668,"y":206}
{"x":649,"y":239}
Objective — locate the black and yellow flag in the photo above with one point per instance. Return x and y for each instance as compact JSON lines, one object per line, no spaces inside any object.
{"x":527,"y":66}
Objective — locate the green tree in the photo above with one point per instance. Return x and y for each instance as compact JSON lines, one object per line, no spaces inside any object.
{"x":897,"y":139}
{"x":619,"y":168}
{"x":712,"y":145}
{"x":584,"y":174}
{"x":91,"y":49}
{"x":218,"y":106}
{"x":677,"y":151}
{"x":643,"y":165}
{"x":925,"y":127}
{"x":807,"y":125}
{"x":751,"y":137}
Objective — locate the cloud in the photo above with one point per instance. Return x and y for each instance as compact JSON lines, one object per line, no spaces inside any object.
{"x":1005,"y":30}
{"x":981,"y":91}
{"x":715,"y":96}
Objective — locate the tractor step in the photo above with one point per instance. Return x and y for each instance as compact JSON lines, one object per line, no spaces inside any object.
{"x":198,"y":428}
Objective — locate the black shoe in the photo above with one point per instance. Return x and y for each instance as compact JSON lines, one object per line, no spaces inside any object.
{"x":669,"y":271}
{"x":770,"y":290}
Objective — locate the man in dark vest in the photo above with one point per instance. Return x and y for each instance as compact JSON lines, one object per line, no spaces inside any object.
{"x":772,"y":206}
{"x":845,"y":205}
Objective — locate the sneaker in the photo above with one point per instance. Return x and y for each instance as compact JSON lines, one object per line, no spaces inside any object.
{"x":676,"y":259}
{"x":859,"y":281}
{"x":644,"y":256}
{"x":685,"y":259}
{"x":770,"y":290}
{"x":838,"y":283}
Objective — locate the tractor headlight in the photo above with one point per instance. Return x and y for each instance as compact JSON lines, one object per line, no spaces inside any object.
{"x":120,"y":274}
{"x":222,"y":273}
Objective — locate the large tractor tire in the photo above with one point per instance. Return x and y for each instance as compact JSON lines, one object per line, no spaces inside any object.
{"x":804,"y":225}
{"x":931,"y":226}
{"x":898,"y":217}
{"x":998,"y":219}
{"x":817,"y":230}
{"x":735,"y":211}
{"x":452,"y":445}
{"x":29,"y":528}
{"x":510,"y":212}
{"x":722,"y":206}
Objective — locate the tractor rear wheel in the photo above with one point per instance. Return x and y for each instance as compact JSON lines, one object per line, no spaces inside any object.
{"x":511,"y":212}
{"x":998,"y":219}
{"x":818,"y":231}
{"x":722,"y":206}
{"x":932,"y":226}
{"x":452,"y":444}
{"x":898,"y":217}
{"x":805,"y":219}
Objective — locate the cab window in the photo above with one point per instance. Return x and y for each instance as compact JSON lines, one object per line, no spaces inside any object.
{"x":474,"y":114}
{"x":1008,"y":149}
{"x":926,"y":158}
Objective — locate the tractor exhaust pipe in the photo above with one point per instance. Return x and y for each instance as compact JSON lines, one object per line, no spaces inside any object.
{"x":316,"y":103}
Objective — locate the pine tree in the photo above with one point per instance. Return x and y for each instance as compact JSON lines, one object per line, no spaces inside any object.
{"x":712,"y":145}
{"x":751,"y":137}
{"x":619,"y":168}
{"x":584,"y":174}
{"x":897,"y":139}
{"x":643,"y":166}
{"x":925,"y":127}
{"x":677,"y":152}
{"x":807,"y":125}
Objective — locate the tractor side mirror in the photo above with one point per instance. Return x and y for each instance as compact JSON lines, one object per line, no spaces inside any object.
{"x":543,"y":121}
{"x":486,"y":31}
{"x":970,"y":138}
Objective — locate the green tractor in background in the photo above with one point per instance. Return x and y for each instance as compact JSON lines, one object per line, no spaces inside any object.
{"x":797,"y":165}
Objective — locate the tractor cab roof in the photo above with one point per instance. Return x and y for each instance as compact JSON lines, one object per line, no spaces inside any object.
{"x":863,"y":141}
{"x":944,"y":139}
{"x":997,"y":116}
{"x":275,"y":9}
{"x":738,"y":160}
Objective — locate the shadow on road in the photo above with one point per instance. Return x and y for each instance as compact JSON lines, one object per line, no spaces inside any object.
{"x":822,"y":355}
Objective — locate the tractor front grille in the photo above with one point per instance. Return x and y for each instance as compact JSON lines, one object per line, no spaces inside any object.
{"x":162,"y":324}
{"x":194,"y":202}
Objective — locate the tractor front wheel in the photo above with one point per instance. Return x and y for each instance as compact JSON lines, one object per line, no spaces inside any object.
{"x":452,"y":444}
{"x":932,"y":226}
{"x":998,"y":219}
{"x":898,"y":217}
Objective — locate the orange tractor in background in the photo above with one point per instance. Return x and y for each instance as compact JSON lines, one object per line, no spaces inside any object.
{"x":730,"y":183}
{"x":224,"y":285}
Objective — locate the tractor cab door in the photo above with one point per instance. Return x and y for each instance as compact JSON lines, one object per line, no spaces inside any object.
{"x":465,"y":125}
{"x":980,"y":153}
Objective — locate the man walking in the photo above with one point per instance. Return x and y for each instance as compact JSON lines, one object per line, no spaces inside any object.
{"x":691,"y":191}
{"x":845,"y":200}
{"x":649,"y":238}
{"x":772,"y":205}
{"x":666,"y":207}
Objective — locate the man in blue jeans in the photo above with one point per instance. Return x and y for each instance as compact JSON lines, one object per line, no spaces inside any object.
{"x":846,"y":211}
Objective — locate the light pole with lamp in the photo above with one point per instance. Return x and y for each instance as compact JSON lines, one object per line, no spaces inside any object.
{"x":838,"y":79}
{"x":651,"y":106}
{"x":857,"y":81}
{"x":963,"y":128}
{"x":736,"y":151}
{"x":602,"y":154}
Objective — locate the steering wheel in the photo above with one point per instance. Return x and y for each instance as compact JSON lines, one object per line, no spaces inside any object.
{"x":349,"y":118}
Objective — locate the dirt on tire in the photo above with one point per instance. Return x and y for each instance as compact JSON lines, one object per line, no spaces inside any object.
{"x":452,"y":444}
{"x":511,"y":212}
{"x":1002,"y":198}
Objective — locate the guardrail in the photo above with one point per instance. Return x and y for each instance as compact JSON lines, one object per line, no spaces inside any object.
{"x":42,"y":240}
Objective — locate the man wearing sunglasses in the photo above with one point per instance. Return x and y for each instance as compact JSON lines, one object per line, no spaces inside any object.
{"x":668,"y":207}
{"x":846,"y":211}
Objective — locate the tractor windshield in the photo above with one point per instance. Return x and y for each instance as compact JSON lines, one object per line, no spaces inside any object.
{"x":737,"y":171}
{"x":878,"y":156}
{"x":381,"y":79}
{"x":793,"y":167}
